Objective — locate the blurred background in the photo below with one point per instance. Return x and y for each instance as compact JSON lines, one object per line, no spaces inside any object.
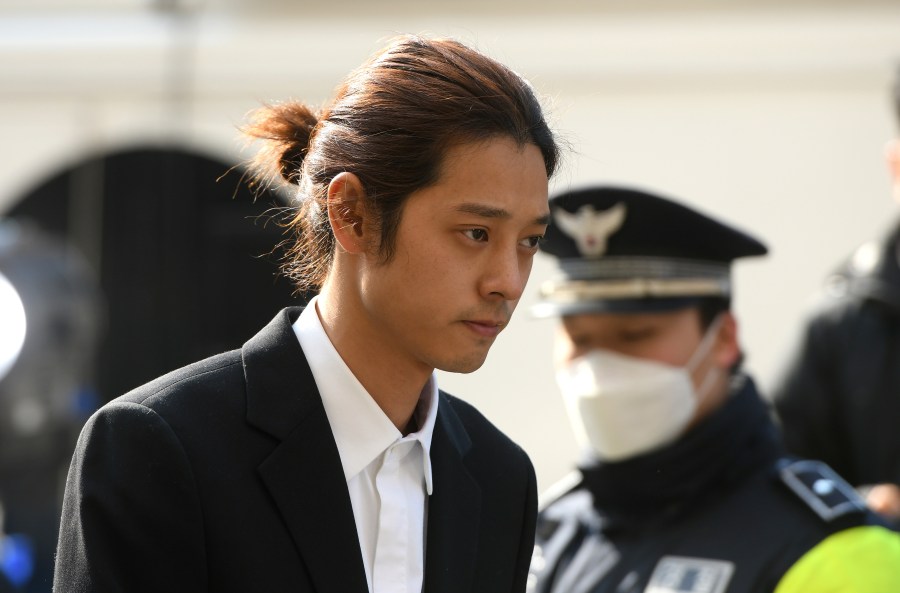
{"x":129,"y":245}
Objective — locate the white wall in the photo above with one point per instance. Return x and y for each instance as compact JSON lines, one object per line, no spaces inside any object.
{"x":770,"y":115}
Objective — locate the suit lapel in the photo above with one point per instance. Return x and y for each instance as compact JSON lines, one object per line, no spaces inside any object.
{"x":454,"y":508}
{"x":308,"y":486}
{"x":303,"y":473}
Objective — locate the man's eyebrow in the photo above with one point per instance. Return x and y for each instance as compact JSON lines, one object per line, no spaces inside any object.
{"x":484,"y":210}
{"x":493,"y":212}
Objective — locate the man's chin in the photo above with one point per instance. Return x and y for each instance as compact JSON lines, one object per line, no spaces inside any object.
{"x":463,"y":365}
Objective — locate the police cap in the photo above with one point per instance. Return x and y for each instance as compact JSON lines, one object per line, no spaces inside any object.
{"x":622,"y":249}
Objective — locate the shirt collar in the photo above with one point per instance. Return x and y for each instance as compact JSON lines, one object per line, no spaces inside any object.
{"x":361,"y":429}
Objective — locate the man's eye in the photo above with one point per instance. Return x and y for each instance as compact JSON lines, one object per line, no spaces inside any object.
{"x":532,"y":242}
{"x":636,"y":335}
{"x":581,"y":343}
{"x":476,"y":234}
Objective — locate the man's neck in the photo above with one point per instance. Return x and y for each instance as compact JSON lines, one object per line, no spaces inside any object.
{"x":395,"y":382}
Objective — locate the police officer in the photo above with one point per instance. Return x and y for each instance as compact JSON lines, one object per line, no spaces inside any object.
{"x":685,"y":486}
{"x":838,"y":395}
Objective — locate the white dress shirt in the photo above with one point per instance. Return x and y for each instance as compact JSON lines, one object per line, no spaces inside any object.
{"x":388,"y":475}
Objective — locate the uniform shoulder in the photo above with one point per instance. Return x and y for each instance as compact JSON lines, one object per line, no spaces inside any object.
{"x":565,"y":501}
{"x":821,"y":489}
{"x":833,"y":311}
{"x":871,"y":275}
{"x":559,"y":490}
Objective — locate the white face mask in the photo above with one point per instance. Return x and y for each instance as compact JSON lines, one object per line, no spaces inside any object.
{"x":621,"y":406}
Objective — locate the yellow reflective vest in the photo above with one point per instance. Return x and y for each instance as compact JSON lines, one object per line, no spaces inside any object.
{"x":857,"y":560}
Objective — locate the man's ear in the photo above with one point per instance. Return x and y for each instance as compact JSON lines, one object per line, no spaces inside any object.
{"x":727,"y":350}
{"x":892,"y":155}
{"x":347,"y":212}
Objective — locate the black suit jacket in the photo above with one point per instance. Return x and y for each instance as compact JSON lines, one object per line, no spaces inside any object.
{"x":224,"y":476}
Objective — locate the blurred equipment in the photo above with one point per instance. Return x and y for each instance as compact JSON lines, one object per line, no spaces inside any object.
{"x":46,"y":392}
{"x":13,"y":564}
{"x":12,"y":320}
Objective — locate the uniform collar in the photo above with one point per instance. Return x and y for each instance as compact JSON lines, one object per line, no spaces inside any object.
{"x":725,"y":448}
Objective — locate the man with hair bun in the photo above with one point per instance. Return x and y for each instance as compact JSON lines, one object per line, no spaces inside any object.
{"x":322,"y":456}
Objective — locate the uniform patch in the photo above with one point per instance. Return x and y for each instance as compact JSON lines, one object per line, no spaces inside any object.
{"x":822,"y":489}
{"x":680,"y":574}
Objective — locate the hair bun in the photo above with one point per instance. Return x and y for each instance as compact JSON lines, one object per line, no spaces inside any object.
{"x":286,"y":130}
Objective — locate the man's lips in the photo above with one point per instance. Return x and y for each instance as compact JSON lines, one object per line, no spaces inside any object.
{"x":484,"y":327}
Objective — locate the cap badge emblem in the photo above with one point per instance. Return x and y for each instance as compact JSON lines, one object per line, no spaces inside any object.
{"x":591,"y":228}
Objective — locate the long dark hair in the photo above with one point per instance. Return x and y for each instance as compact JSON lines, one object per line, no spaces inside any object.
{"x":390,"y":123}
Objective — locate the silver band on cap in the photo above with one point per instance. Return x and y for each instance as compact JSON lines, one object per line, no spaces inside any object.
{"x":591,"y":290}
{"x":621,"y":266}
{"x":631,"y":277}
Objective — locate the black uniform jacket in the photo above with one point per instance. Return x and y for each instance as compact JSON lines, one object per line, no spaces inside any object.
{"x":839,"y":396}
{"x":224,"y":476}
{"x":713,"y":512}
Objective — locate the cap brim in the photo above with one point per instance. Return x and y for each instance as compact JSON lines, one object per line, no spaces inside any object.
{"x":547,"y":309}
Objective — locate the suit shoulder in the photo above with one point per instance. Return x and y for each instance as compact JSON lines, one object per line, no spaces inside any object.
{"x":476,"y":423}
{"x":207,"y":375}
{"x":472,"y":418}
